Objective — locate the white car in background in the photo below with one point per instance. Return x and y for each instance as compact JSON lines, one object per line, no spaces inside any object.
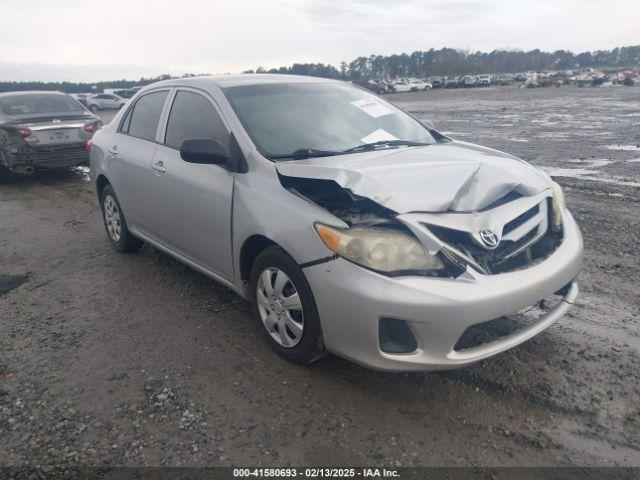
{"x":105,"y":101}
{"x":411,"y":85}
{"x":484,"y":80}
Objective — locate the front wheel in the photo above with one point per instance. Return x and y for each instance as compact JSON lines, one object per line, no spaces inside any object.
{"x":284,"y":305}
{"x":94,"y":108}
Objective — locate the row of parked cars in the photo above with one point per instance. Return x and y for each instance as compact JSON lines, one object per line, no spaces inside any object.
{"x":460,"y":81}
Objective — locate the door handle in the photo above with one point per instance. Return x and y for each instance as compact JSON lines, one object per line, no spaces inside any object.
{"x":113,"y":150}
{"x":159,"y":167}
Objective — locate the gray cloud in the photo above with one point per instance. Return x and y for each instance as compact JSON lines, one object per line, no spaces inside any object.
{"x":79,"y":40}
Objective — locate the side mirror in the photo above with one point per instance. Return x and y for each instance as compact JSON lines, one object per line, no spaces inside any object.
{"x":204,"y":150}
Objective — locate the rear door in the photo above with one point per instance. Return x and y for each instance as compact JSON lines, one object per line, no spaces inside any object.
{"x":130,"y":157}
{"x":193,"y":201}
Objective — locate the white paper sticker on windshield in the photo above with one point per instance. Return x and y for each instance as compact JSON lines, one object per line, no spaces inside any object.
{"x":372,"y":108}
{"x":378,"y":136}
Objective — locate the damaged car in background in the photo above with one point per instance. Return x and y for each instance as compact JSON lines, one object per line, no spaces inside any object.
{"x":42,"y":130}
{"x":351,"y":226}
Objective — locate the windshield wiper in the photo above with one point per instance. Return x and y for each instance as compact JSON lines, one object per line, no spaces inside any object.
{"x":303,"y":153}
{"x":384,"y":143}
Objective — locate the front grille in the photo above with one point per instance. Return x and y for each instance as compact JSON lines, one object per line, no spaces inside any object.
{"x":526,"y":240}
{"x":58,"y":156}
{"x":520,"y":220}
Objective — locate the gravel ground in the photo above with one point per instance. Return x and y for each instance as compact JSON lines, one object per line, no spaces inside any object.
{"x":109,"y":359}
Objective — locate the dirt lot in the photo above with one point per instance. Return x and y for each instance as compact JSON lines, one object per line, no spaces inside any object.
{"x":109,"y":359}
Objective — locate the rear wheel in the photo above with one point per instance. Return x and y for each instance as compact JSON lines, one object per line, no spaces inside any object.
{"x":5,"y":175}
{"x":115,"y":223}
{"x":284,"y":305}
{"x":94,"y":108}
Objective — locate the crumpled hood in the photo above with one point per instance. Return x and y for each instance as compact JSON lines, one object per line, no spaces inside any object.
{"x":453,"y":176}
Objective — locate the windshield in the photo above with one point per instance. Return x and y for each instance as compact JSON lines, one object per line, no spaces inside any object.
{"x":39,"y":103}
{"x":283,"y":118}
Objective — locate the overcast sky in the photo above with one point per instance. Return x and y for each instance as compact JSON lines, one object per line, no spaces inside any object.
{"x":82,"y":40}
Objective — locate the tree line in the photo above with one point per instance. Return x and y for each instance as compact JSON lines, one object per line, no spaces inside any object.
{"x":449,"y":61}
{"x":82,"y":87}
{"x":445,"y":61}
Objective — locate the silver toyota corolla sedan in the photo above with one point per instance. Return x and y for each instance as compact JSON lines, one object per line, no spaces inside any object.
{"x":351,"y":226}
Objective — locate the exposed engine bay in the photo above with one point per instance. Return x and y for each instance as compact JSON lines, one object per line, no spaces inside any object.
{"x":356,"y":211}
{"x":348,"y":207}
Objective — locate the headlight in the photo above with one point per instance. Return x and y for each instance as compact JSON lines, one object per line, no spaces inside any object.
{"x":379,"y":249}
{"x":558,"y":206}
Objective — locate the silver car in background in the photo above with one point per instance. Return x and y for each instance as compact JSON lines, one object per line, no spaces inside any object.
{"x":349,"y":225}
{"x":105,"y":101}
{"x":42,"y":130}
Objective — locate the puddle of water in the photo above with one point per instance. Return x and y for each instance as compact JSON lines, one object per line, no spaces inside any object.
{"x":554,"y":134}
{"x":586,"y":174}
{"x":9,"y":282}
{"x":622,"y":147}
{"x":84,"y":171}
{"x":592,"y":163}
{"x":569,"y":172}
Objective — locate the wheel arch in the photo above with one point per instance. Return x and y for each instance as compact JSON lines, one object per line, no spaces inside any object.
{"x":101,"y":182}
{"x":251,"y":248}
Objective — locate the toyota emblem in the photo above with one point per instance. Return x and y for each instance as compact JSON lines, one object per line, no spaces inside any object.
{"x":489,"y":239}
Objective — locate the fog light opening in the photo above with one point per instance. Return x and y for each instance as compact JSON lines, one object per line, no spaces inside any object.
{"x":396,"y":336}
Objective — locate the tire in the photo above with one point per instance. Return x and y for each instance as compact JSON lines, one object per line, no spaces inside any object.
{"x":5,"y":175}
{"x":94,"y":108}
{"x":115,"y":223}
{"x":302,"y":331}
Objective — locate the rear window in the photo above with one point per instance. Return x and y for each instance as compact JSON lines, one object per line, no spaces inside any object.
{"x":142,"y":121}
{"x":39,"y":103}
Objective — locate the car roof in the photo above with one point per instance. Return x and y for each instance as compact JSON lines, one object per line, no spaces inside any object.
{"x":223,"y":81}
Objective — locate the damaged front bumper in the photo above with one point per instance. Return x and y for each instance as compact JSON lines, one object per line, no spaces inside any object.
{"x":352,"y":301}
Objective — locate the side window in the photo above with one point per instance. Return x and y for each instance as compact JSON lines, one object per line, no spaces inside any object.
{"x":146,"y":115}
{"x":124,"y":125}
{"x":193,"y":116}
